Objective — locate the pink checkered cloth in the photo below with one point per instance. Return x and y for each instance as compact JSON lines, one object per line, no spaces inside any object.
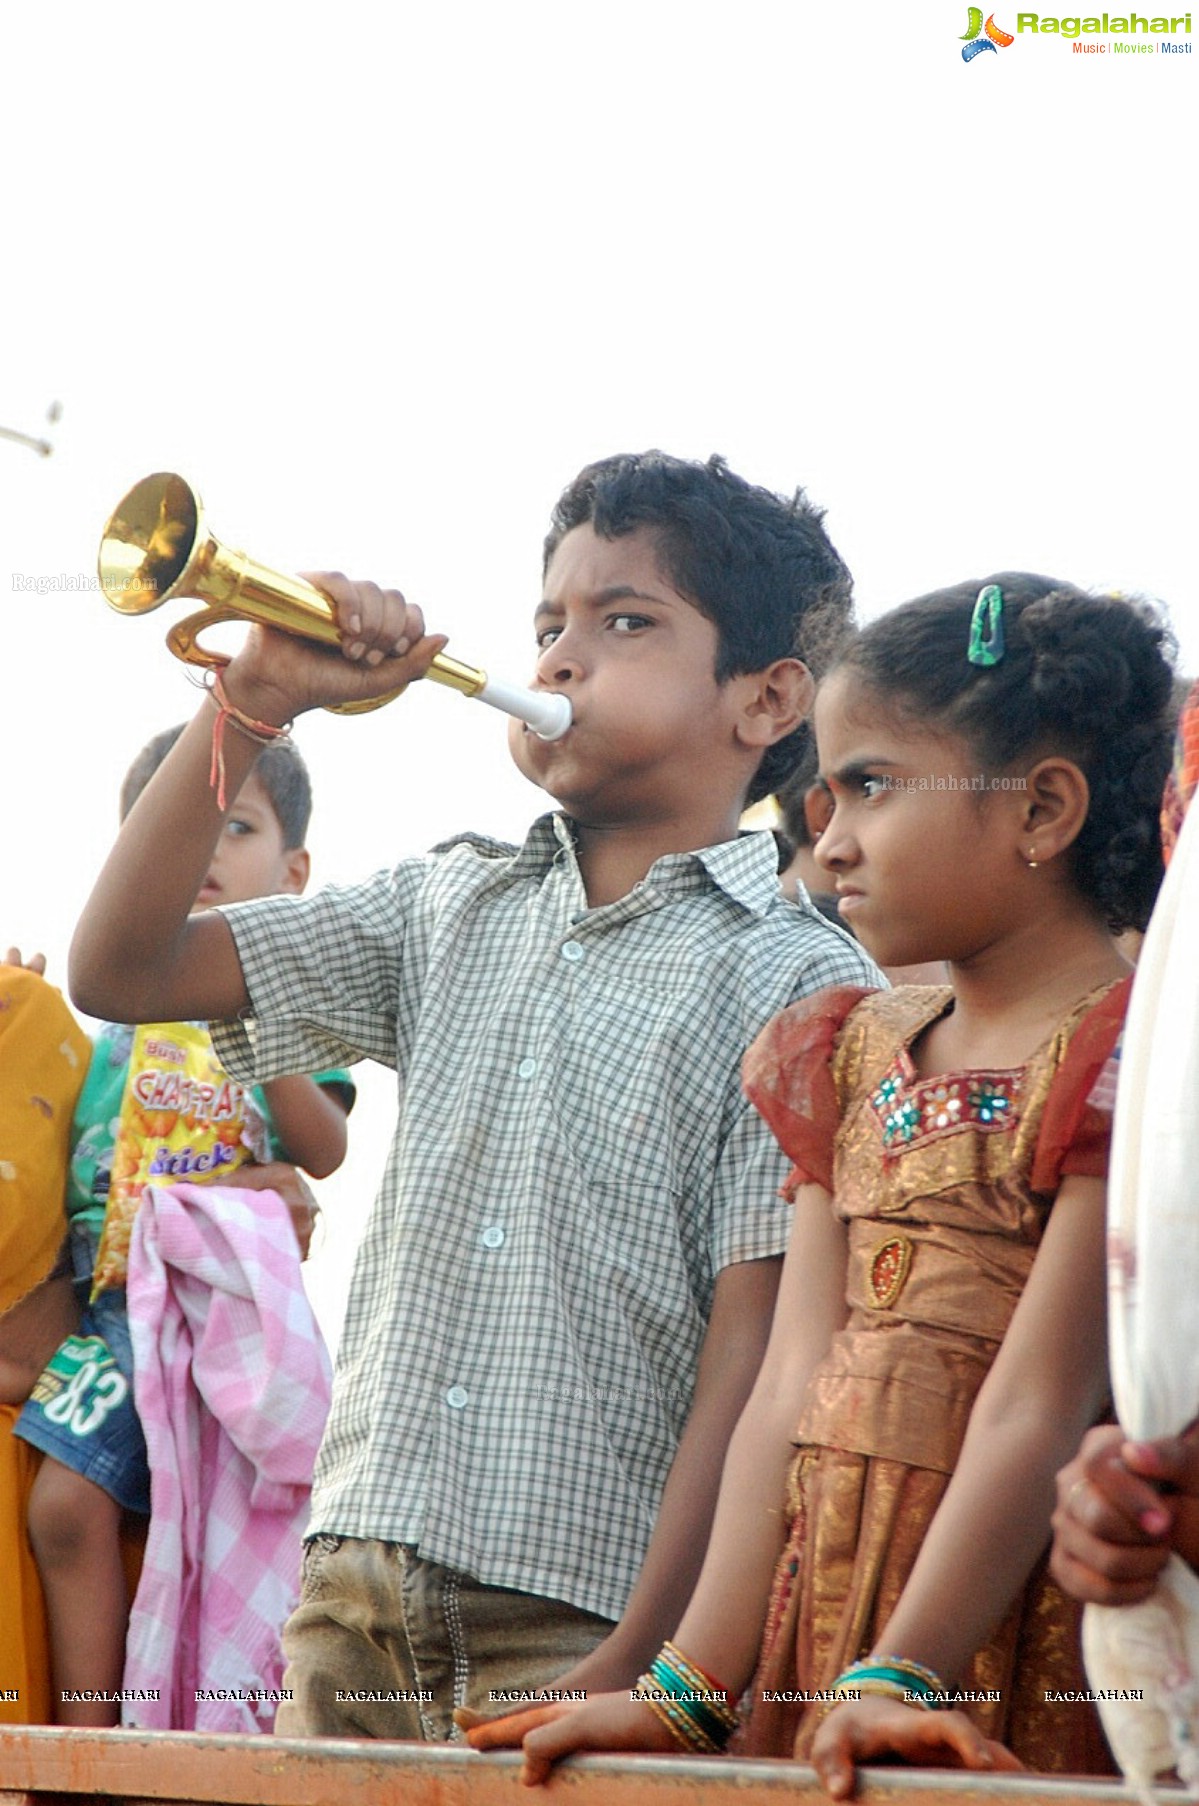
{"x":231,"y":1380}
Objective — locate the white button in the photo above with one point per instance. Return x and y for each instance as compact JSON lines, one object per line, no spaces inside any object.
{"x":572,"y":951}
{"x":526,"y":1069}
{"x":492,"y":1236}
{"x":456,"y":1397}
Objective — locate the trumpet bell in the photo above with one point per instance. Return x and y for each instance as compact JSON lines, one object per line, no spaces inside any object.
{"x":147,"y":543}
{"x":156,"y":547}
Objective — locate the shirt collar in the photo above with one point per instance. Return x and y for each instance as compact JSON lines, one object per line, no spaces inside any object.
{"x":745,"y":869}
{"x":548,"y":841}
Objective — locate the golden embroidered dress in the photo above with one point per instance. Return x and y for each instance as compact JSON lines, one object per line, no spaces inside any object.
{"x":944,"y":1185}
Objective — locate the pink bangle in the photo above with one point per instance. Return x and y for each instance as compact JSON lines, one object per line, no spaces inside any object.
{"x":264,"y":732}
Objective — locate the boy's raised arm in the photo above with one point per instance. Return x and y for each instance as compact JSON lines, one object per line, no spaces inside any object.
{"x":137,"y":954}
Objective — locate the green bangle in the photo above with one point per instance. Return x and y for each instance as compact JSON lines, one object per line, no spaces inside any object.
{"x":898,"y":1678}
{"x":860,"y":1684}
{"x":680,"y":1674}
{"x":702,"y":1704}
{"x":695,"y":1712}
{"x":675,"y":1715}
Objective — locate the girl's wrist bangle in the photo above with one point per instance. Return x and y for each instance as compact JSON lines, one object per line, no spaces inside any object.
{"x":682,"y":1696}
{"x":896,"y":1678}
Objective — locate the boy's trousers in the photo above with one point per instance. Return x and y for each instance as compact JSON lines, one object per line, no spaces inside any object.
{"x":375,"y":1620}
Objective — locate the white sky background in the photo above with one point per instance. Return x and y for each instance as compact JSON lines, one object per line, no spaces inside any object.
{"x":379,"y":280}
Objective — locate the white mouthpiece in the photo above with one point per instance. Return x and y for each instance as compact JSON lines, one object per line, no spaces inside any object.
{"x":547,"y":712}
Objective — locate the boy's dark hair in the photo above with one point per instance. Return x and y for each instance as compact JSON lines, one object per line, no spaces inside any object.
{"x":280,"y":770}
{"x":1087,"y":677}
{"x":760,"y":566}
{"x":790,"y":798}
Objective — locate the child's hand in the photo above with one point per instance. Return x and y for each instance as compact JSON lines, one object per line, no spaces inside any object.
{"x":35,"y":963}
{"x":607,"y":1721}
{"x":1112,"y":1529}
{"x":278,"y":1176}
{"x":876,"y":1726}
{"x":1174,"y":1464}
{"x":384,"y":647}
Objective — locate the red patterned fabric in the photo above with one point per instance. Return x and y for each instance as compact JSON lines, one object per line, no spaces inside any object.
{"x":788,"y":1078}
{"x":1076,"y":1133}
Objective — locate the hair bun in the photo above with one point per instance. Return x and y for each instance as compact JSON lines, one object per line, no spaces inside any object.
{"x":1090,"y":657}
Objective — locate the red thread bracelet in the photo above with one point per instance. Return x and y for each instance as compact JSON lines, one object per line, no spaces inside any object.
{"x":264,"y":732}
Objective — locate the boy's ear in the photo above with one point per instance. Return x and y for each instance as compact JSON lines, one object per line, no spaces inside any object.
{"x":296,"y":868}
{"x":1054,"y":806}
{"x":776,"y":700}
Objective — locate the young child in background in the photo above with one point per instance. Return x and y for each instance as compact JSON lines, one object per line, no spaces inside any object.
{"x":137,"y":1107}
{"x":804,"y":808}
{"x":562,"y":1297}
{"x":995,"y":759}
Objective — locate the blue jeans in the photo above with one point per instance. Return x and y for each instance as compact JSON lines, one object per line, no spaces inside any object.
{"x":81,"y":1410}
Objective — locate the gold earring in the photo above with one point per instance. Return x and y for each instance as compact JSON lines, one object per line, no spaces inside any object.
{"x":1031,"y":862}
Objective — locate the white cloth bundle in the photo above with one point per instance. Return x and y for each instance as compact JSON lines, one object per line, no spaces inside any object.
{"x":1153,"y":1321}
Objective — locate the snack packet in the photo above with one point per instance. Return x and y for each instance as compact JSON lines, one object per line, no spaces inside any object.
{"x":182,"y":1118}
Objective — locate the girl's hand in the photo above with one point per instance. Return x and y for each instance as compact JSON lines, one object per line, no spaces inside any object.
{"x":876,"y":1726}
{"x":384,"y":647}
{"x":608,"y":1721}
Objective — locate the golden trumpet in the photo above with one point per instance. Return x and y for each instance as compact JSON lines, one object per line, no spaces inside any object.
{"x":156,"y":546}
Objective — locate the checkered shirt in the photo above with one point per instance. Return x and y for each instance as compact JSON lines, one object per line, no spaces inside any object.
{"x":574,"y":1162}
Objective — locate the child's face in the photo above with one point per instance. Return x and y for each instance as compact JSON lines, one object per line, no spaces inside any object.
{"x":638,"y":662}
{"x":250,"y":859}
{"x":924,"y":858}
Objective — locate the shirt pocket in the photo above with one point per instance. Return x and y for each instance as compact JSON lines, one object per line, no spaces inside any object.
{"x":632,"y":1093}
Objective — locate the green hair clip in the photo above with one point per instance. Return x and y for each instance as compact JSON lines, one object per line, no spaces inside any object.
{"x":986,"y":627}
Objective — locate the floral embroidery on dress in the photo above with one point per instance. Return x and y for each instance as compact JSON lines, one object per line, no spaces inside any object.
{"x":901,"y":1122}
{"x":909,"y":1109}
{"x":943,"y":1106}
{"x":992,"y":1102}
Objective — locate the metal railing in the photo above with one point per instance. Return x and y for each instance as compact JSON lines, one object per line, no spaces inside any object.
{"x":133,"y":1768}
